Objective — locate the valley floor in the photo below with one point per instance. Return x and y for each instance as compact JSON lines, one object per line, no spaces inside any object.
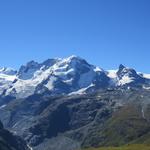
{"x":129,"y":147}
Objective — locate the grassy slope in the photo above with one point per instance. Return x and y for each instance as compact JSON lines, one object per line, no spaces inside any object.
{"x":130,"y":147}
{"x":126,"y":126}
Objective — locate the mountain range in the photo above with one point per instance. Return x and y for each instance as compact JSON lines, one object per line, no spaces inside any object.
{"x":72,"y":75}
{"x":69,"y":104}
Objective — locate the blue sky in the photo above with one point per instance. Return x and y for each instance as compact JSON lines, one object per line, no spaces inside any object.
{"x":105,"y":32}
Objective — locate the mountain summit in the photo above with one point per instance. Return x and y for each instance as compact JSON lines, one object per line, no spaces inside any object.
{"x":71,"y":75}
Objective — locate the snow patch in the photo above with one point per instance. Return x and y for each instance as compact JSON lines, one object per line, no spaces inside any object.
{"x":50,"y":83}
{"x":3,"y":106}
{"x":81,"y":91}
{"x":7,"y":77}
{"x":146,"y":76}
{"x":125,"y":80}
{"x":146,"y":88}
{"x":30,"y":147}
{"x":112,"y":73}
{"x":97,"y":69}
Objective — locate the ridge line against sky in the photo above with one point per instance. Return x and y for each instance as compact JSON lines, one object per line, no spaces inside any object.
{"x":106,"y":33}
{"x":108,"y":69}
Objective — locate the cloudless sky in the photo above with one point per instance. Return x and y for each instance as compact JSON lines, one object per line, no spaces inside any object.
{"x":104,"y":32}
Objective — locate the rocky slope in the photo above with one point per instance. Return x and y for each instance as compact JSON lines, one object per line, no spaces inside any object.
{"x":69,"y":104}
{"x":106,"y":117}
{"x":8,"y":141}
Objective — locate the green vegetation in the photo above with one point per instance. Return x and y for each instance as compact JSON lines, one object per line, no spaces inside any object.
{"x":128,"y":147}
{"x":126,"y":126}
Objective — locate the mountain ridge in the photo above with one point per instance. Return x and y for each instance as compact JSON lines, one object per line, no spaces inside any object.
{"x":73,"y":73}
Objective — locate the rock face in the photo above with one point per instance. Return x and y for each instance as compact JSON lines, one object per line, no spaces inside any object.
{"x":129,"y":76}
{"x":8,"y":141}
{"x":43,"y":120}
{"x":81,"y":120}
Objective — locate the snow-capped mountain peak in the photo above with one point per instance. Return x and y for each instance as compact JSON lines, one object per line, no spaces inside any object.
{"x":63,"y":76}
{"x":126,"y":76}
{"x":56,"y":76}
